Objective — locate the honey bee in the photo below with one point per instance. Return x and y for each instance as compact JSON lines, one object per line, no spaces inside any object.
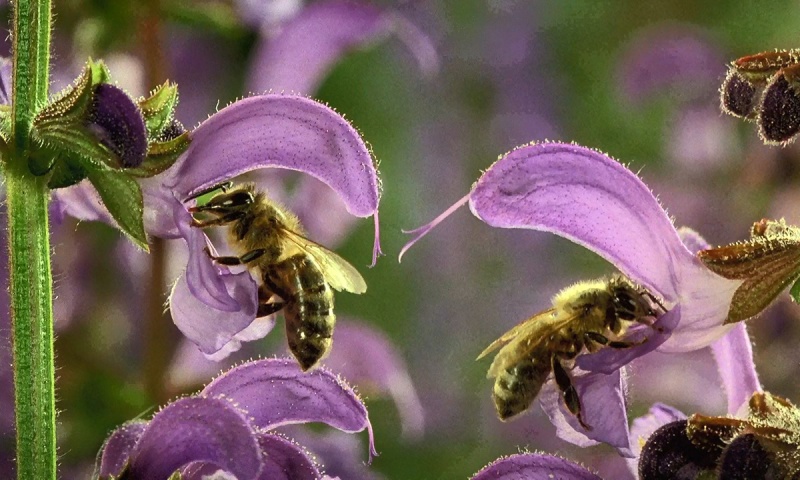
{"x":270,"y":241}
{"x":585,"y":316}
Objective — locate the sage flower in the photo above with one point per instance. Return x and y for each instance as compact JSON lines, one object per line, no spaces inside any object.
{"x":282,"y":131}
{"x":593,"y":200}
{"x":228,"y":428}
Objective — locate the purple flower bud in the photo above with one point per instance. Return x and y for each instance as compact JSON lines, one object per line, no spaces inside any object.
{"x":745,"y":458}
{"x":737,"y":95}
{"x":670,"y":454}
{"x":779,"y":117}
{"x":116,"y":120}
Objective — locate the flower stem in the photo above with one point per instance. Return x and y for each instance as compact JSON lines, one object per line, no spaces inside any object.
{"x":29,"y":250}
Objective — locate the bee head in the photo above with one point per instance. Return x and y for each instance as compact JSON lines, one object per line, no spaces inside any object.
{"x":228,"y":203}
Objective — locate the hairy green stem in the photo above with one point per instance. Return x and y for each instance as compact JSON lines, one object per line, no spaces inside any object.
{"x":29,"y":250}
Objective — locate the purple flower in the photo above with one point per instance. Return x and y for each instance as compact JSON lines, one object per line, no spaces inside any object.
{"x":593,"y":200}
{"x":298,"y":54}
{"x":228,"y":427}
{"x":534,"y":466}
{"x":264,"y":131}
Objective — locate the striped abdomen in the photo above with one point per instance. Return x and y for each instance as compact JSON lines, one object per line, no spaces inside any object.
{"x":309,"y":307}
{"x":517,"y":386}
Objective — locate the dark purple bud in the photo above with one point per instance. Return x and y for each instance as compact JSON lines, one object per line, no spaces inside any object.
{"x":745,"y":458}
{"x":117,"y":121}
{"x":174,"y":130}
{"x":737,"y":95}
{"x":779,"y":116}
{"x":669,"y":454}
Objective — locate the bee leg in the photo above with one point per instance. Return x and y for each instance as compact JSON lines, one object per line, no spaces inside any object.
{"x":567,"y":388}
{"x":267,"y":309}
{"x":231,"y":261}
{"x":601,"y":339}
{"x":231,"y":217}
{"x":224,"y":186}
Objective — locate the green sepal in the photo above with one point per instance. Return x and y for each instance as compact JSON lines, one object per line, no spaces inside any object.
{"x":161,"y":156}
{"x":795,"y":291}
{"x":41,"y":160}
{"x":159,"y":108}
{"x":122,"y":197}
{"x":72,"y":102}
{"x":61,"y":125}
{"x":5,"y":123}
{"x":65,"y":173}
{"x":175,"y":476}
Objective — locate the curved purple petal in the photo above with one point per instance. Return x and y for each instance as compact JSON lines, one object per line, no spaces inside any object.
{"x":589,"y":198}
{"x":276,"y":392}
{"x":82,"y":202}
{"x":193,"y":429}
{"x":734,"y":356}
{"x":607,"y":360}
{"x":305,"y":48}
{"x":117,"y":448}
{"x":211,"y":329}
{"x":593,"y":200}
{"x":365,"y":357}
{"x":338,"y":453}
{"x":534,"y":466}
{"x":281,"y":131}
{"x":285,"y":460}
{"x":603,"y":408}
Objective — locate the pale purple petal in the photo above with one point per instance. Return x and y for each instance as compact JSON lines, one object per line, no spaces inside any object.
{"x":279,"y":131}
{"x":211,"y":329}
{"x":589,"y":198}
{"x":603,"y":408}
{"x":365,"y":357}
{"x":285,"y":460}
{"x":264,"y":13}
{"x":205,"y":471}
{"x":734,"y":356}
{"x":305,"y":48}
{"x":677,"y":58}
{"x":338,"y":453}
{"x":276,"y":392}
{"x":6,"y":70}
{"x":117,"y":448}
{"x":644,"y":426}
{"x":82,"y":202}
{"x":197,"y":429}
{"x":299,"y":54}
{"x":258,"y":329}
{"x":607,"y":360}
{"x":534,"y":466}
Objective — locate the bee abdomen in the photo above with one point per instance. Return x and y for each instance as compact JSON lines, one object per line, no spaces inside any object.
{"x":309,"y":308}
{"x":517,"y":386}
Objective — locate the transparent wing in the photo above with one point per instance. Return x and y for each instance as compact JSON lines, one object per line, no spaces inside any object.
{"x":339,"y":274}
{"x":520,"y":341}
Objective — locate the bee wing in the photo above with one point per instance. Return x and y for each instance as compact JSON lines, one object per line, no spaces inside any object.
{"x":524,"y":328}
{"x":521,"y":340}
{"x":339,"y":274}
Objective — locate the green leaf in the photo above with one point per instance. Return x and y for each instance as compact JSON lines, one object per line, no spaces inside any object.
{"x":161,"y":156}
{"x":795,"y":291}
{"x":122,"y":196}
{"x":158,"y":109}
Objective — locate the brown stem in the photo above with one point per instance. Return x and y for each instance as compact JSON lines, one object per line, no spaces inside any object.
{"x":159,"y":336}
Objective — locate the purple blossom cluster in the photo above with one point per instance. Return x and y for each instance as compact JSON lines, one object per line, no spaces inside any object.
{"x":252,"y":420}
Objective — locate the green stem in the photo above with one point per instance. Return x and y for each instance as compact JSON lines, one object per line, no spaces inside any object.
{"x":29,"y":250}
